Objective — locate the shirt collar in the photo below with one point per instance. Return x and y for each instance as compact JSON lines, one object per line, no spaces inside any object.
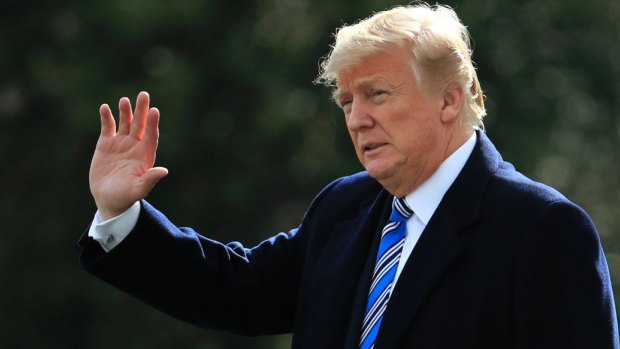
{"x":426,"y":198}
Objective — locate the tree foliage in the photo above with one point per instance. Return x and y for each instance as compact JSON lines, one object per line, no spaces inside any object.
{"x":244,"y":129}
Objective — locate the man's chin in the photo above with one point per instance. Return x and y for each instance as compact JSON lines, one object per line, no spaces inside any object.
{"x":379,"y":173}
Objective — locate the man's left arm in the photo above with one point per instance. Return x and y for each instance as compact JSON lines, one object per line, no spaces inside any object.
{"x":563,"y":296}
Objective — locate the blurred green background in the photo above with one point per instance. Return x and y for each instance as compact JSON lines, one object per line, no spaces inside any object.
{"x":243,"y":128}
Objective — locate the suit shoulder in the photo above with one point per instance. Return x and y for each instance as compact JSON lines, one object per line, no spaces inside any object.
{"x":356,"y":186}
{"x":524,"y":212}
{"x":509,"y":184}
{"x":345,"y":194}
{"x":360,"y":181}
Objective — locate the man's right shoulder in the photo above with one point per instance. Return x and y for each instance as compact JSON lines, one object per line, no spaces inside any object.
{"x":346,"y":196}
{"x":356,"y":186}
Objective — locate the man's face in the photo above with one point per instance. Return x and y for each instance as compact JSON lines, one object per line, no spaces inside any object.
{"x":396,"y":129}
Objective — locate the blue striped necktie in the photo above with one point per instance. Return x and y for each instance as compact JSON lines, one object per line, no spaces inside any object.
{"x":390,"y":248}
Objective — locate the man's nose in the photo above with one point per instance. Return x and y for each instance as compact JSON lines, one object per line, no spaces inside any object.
{"x":359,"y":116}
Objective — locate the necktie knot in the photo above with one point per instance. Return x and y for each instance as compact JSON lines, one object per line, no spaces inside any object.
{"x":401,"y":211}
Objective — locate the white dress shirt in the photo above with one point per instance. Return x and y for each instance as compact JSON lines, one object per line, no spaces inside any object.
{"x":111,"y":232}
{"x":424,"y":201}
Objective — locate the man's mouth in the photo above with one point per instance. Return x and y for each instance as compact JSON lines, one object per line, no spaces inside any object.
{"x":372,"y":146}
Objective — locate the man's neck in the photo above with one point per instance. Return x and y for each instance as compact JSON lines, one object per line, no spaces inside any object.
{"x":454,"y":141}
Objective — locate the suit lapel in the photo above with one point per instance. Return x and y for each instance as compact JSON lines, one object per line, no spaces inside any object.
{"x":437,"y":248}
{"x":440,"y":243}
{"x":335,"y":286}
{"x":381,"y":210}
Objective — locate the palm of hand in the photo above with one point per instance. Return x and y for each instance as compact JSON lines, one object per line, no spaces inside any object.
{"x":122,"y":169}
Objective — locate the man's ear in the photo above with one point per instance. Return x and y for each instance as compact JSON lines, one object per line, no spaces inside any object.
{"x":452,"y":103}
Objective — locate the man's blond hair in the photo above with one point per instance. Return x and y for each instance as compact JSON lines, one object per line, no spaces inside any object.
{"x":439,"y":43}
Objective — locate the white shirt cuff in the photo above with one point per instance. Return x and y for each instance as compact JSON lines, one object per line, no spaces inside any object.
{"x":111,"y":232}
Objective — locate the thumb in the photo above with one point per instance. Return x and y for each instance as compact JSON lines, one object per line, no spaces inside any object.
{"x":152,"y":176}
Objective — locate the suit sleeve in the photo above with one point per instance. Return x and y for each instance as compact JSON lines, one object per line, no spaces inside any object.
{"x":249,"y":291}
{"x":563,"y":295}
{"x":202,"y":281}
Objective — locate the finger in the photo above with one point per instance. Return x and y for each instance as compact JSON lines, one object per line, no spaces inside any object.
{"x":108,"y":125}
{"x":151,"y":133}
{"x":139,"y":115}
{"x":124,"y":120}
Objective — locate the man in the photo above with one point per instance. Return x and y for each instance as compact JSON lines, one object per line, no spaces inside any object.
{"x":438,"y":244}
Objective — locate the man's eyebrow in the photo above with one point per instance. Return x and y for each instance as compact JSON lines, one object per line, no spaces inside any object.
{"x":363,"y":83}
{"x":368,"y":81}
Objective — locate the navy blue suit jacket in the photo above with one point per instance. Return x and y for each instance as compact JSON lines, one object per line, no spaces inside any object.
{"x":504,"y":262}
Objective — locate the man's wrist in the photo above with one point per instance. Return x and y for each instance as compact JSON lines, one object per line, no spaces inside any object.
{"x":109,"y":232}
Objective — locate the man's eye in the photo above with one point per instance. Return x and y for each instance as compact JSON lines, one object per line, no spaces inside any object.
{"x":379,"y":95}
{"x":345,"y":103}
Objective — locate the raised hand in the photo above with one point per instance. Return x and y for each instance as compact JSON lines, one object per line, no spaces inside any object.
{"x":122,"y":171}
